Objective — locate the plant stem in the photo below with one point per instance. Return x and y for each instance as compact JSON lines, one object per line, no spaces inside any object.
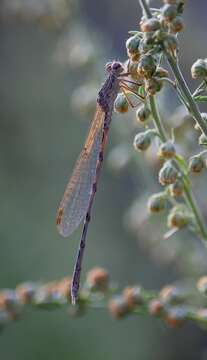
{"x":187,"y":190}
{"x":157,"y":121}
{"x":191,"y":201}
{"x":192,"y":106}
{"x":145,"y":8}
{"x":187,"y":96}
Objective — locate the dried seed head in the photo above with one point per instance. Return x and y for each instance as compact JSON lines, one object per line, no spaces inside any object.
{"x":176,"y":189}
{"x":142,"y":140}
{"x":202,"y":285}
{"x":177,"y":25}
{"x":133,"y":296}
{"x":143,"y":113}
{"x":167,"y":150}
{"x":196,"y":164}
{"x":149,"y":25}
{"x":98,"y":279}
{"x":169,"y":12}
{"x":199,"y":69}
{"x":146,"y":66}
{"x":121,"y":105}
{"x":168,"y":174}
{"x":157,"y":202}
{"x":178,"y":217}
{"x":153,"y":85}
{"x":118,"y":307}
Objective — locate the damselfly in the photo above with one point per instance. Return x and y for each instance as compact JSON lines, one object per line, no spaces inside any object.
{"x":79,"y":194}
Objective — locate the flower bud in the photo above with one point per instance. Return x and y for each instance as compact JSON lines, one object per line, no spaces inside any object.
{"x":132,"y":45}
{"x":168,"y":174}
{"x":146,"y":66}
{"x":176,"y":316}
{"x":161,"y":72}
{"x":149,"y":25}
{"x":25,"y":292}
{"x":121,"y":105}
{"x":132,"y":68}
{"x":153,"y":85}
{"x":196,"y":164}
{"x":177,"y":24}
{"x":202,"y":285}
{"x":157,"y":202}
{"x":176,"y":189}
{"x":64,"y":288}
{"x":142,"y":140}
{"x":8,"y":299}
{"x":167,"y":150}
{"x":118,"y":307}
{"x":98,"y":279}
{"x":202,"y":139}
{"x":169,"y":12}
{"x":199,"y":69}
{"x":143,"y":113}
{"x":147,"y":42}
{"x":170,"y":43}
{"x":201,"y":316}
{"x":178,"y":217}
{"x":133,"y":296}
{"x":172,"y":295}
{"x":156,"y":307}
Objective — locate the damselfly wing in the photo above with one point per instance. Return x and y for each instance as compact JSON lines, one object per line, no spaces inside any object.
{"x":75,"y":201}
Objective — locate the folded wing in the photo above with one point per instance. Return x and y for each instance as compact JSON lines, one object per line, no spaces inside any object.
{"x":75,"y":202}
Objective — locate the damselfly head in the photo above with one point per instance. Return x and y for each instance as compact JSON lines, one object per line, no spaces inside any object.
{"x":115,"y":67}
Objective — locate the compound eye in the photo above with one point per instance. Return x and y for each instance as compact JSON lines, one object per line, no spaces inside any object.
{"x":108,"y":66}
{"x":116,"y":66}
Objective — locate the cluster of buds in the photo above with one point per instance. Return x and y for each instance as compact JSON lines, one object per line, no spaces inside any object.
{"x":157,"y":34}
{"x":51,"y":295}
{"x":173,"y":304}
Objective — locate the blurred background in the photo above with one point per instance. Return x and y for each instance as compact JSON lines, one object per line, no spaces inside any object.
{"x":52,"y":56}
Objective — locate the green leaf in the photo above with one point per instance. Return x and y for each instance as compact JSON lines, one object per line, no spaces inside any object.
{"x":182,"y":163}
{"x":141,"y":91}
{"x":200,"y":98}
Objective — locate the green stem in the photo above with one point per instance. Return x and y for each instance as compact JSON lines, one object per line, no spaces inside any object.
{"x":157,"y":121}
{"x":191,"y":201}
{"x":187,"y":190}
{"x":145,"y":8}
{"x":187,"y":96}
{"x":192,"y":106}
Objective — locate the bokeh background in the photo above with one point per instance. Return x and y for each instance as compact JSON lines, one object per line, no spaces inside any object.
{"x":51,"y":64}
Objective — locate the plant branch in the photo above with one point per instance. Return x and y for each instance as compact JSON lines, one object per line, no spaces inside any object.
{"x":187,"y":190}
